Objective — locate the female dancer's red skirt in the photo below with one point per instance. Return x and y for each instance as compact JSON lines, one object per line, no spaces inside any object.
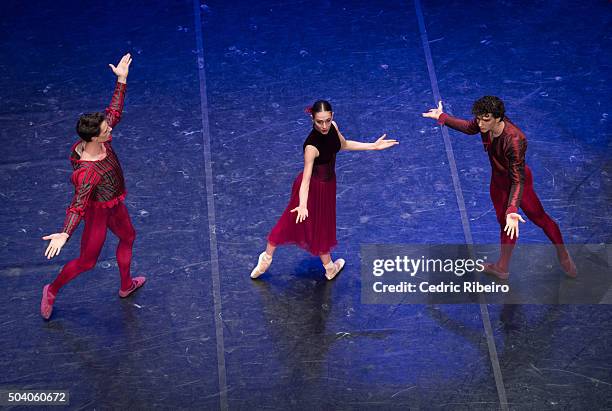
{"x":316,"y":234}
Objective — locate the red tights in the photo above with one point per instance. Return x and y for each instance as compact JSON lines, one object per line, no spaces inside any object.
{"x":531,"y":205}
{"x":97,"y":220}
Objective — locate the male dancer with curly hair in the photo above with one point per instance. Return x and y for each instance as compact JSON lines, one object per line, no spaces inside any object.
{"x":511,"y":179}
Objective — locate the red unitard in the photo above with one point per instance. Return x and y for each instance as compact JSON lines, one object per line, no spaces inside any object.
{"x":98,"y":199}
{"x":511,"y":183}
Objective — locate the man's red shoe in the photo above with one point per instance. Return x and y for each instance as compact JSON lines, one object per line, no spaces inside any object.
{"x":137,"y":282}
{"x":568,"y":266}
{"x":46,"y":304}
{"x":494,"y":270}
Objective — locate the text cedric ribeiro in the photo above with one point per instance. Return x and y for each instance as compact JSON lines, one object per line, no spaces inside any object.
{"x":413,"y":266}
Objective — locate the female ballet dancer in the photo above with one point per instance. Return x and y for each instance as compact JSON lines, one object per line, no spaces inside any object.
{"x":313,"y":196}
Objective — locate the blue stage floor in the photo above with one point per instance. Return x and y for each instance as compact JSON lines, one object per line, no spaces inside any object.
{"x":210,"y":142}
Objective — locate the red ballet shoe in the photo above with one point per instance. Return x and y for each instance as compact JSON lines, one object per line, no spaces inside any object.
{"x":568,"y":266}
{"x":137,"y":282}
{"x":46,"y":304}
{"x":494,"y":270}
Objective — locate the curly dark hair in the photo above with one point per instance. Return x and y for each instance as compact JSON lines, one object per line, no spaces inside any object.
{"x":88,"y":125}
{"x":489,"y":104}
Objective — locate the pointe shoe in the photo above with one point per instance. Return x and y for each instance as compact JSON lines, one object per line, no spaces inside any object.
{"x":46,"y":304}
{"x":494,"y":270}
{"x":137,"y":282}
{"x":568,"y":266}
{"x":263,"y":263}
{"x":332,"y":269}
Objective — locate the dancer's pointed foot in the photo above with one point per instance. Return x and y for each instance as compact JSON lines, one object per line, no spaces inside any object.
{"x":494,"y":270}
{"x":568,"y":266}
{"x":137,"y":282}
{"x":332,"y":269}
{"x":46,"y":304}
{"x":263,"y":263}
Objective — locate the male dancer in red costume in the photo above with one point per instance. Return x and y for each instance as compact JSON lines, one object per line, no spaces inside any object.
{"x":98,"y":199}
{"x":511,"y":179}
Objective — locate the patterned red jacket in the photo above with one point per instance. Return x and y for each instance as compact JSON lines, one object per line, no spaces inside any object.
{"x":97,"y":183}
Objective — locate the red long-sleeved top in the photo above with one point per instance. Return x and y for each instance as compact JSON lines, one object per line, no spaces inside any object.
{"x":97,"y":183}
{"x":506,"y":153}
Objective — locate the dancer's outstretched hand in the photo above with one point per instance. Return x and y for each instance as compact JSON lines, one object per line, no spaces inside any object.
{"x":123,"y":67}
{"x":57,"y":242}
{"x":512,"y":224}
{"x":382,"y":144}
{"x":434,"y":112}
{"x":302,"y":213}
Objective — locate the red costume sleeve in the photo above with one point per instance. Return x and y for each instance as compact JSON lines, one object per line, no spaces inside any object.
{"x":85,"y":181}
{"x":467,"y":127}
{"x":514,"y":150}
{"x":114,"y":110}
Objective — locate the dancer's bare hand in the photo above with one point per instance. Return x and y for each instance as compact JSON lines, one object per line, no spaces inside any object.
{"x":382,"y":144}
{"x":512,"y":224}
{"x":57,"y":242}
{"x":302,"y":213}
{"x":123,"y":67}
{"x":434,"y":112}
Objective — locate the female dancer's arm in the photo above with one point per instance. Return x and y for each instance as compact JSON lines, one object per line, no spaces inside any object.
{"x":351,"y":145}
{"x":310,"y":153}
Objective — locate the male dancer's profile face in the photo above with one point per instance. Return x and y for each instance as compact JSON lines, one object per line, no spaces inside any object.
{"x":322,"y":121}
{"x":105,"y":132}
{"x":486,"y":122}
